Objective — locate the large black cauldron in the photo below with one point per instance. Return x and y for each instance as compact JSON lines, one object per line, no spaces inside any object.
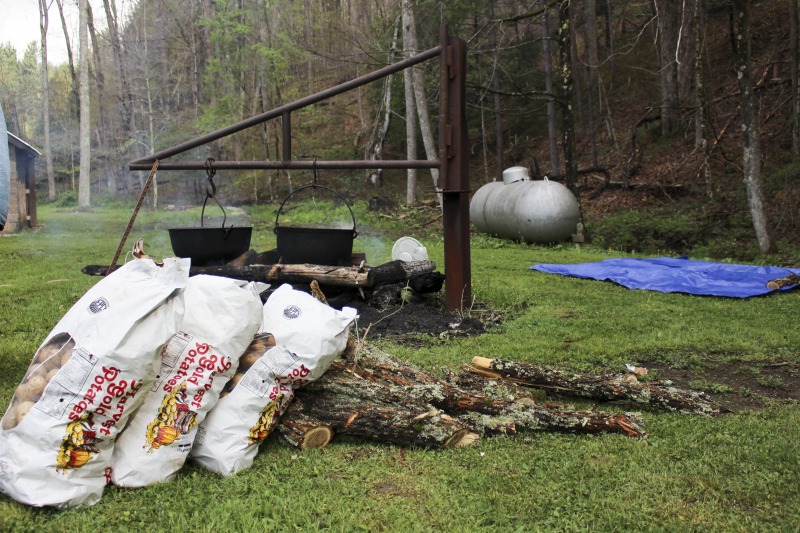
{"x":319,"y":246}
{"x":204,"y":244}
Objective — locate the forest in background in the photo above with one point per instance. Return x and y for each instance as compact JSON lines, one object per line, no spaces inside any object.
{"x":643,"y":108}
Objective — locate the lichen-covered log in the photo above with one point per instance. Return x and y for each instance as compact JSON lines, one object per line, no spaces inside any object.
{"x":604,"y":388}
{"x":408,"y":424}
{"x":380,"y":375}
{"x":787,"y":281}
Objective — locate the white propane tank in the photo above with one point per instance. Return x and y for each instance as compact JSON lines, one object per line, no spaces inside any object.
{"x":540,"y":211}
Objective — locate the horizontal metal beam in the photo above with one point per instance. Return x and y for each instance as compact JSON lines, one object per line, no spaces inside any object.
{"x":291,"y":165}
{"x":285,"y":109}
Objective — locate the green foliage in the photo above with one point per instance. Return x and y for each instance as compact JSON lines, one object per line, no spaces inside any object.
{"x":67,"y":198}
{"x":648,"y":231}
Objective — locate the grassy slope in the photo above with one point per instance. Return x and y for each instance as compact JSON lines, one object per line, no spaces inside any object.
{"x":737,"y":472}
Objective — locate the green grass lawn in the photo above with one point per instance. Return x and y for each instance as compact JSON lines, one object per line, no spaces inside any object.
{"x":737,"y":472}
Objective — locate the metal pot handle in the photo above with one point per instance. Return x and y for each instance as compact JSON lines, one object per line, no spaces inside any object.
{"x":316,"y":186}
{"x":211,"y":192}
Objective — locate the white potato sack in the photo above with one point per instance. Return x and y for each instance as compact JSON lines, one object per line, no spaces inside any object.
{"x":309,"y":336}
{"x":222,"y":316}
{"x":85,"y":380}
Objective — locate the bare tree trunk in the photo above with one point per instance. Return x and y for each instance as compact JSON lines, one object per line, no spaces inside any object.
{"x":411,"y":111}
{"x":104,"y":124}
{"x":668,"y":17}
{"x":151,"y":137}
{"x":48,"y":152}
{"x":498,"y":117}
{"x":375,"y":148}
{"x":686,"y":43}
{"x":567,"y":93}
{"x":70,"y":61}
{"x":120,"y":78}
{"x":701,"y":102}
{"x":750,"y":138}
{"x":84,"y":178}
{"x":421,"y":100}
{"x":593,"y":61}
{"x":794,"y":45}
{"x":577,"y":74}
{"x":552,"y":131}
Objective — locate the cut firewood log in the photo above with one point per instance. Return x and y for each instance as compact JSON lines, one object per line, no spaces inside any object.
{"x":380,"y":377}
{"x":334,"y":276}
{"x":304,"y":432}
{"x":603,"y":388}
{"x":787,"y":281}
{"x":397,"y":271}
{"x":408,"y":424}
{"x":499,"y":409}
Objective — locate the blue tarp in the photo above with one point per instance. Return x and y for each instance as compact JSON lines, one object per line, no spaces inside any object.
{"x":667,"y":274}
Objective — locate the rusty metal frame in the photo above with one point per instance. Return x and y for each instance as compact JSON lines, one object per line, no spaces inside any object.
{"x":452,"y":163}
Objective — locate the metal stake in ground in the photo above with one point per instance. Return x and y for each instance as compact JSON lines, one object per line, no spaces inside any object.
{"x":113,"y":264}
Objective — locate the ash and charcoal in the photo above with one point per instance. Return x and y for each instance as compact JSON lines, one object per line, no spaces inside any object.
{"x":421,"y":318}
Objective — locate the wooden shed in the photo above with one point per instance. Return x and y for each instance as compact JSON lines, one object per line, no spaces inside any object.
{"x":22,"y":194}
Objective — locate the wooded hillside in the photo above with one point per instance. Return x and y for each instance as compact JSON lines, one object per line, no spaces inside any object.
{"x":635,"y":105}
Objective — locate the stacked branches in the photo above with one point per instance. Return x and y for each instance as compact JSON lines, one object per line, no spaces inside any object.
{"x":380,"y":398}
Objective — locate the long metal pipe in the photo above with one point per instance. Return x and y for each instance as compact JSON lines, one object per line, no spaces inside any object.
{"x":292,"y":165}
{"x":286,"y":109}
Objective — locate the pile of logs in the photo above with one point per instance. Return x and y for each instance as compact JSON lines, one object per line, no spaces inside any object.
{"x":420,"y":276}
{"x":379,"y":398}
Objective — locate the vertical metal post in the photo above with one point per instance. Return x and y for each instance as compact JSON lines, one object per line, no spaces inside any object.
{"x":454,"y":171}
{"x":286,"y":119}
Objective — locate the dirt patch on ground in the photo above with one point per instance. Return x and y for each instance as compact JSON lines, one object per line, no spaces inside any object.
{"x":411,"y":320}
{"x":739,"y":386}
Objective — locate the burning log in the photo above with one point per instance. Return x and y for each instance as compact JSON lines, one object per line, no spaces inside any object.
{"x":604,"y":388}
{"x":333,"y":276}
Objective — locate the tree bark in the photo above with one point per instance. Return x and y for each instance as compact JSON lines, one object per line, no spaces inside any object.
{"x":120,"y":79}
{"x":702,"y":115}
{"x":668,"y":20}
{"x":567,"y":92}
{"x":411,"y":108}
{"x":375,"y":396}
{"x":403,"y":422}
{"x":354,"y":277}
{"x":375,"y":148}
{"x":780,"y":283}
{"x":751,"y":151}
{"x":605,"y":388}
{"x":495,"y":82}
{"x":592,"y":63}
{"x":44,"y":21}
{"x":421,"y":100}
{"x":552,"y":130}
{"x":70,"y":61}
{"x":84,"y":178}
{"x":794,"y":46}
{"x":104,"y":126}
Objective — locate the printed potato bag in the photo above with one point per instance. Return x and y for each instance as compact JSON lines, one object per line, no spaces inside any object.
{"x":222,"y":316}
{"x":299,"y":340}
{"x":89,"y":375}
